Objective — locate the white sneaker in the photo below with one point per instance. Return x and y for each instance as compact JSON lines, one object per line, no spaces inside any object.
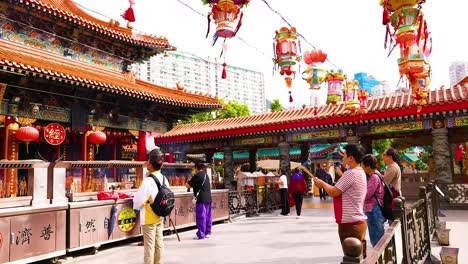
{"x":208,"y":236}
{"x":197,"y":238}
{"x":298,"y":217}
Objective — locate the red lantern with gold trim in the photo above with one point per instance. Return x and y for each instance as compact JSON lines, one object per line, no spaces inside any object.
{"x":27,"y":134}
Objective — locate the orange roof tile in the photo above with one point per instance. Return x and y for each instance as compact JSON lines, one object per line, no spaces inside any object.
{"x":27,"y":59}
{"x":441,"y":100}
{"x":69,"y":10}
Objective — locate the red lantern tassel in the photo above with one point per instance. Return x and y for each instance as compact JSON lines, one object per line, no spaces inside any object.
{"x":129,"y":15}
{"x":224,"y":74}
{"x":290,"y":97}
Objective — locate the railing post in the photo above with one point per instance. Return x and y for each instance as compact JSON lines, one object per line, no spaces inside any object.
{"x":352,"y":249}
{"x":436,"y":203}
{"x":400,"y":212}
{"x":423,"y":195}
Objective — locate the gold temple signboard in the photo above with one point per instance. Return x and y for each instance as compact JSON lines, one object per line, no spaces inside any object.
{"x":412,"y":126}
{"x":460,"y":121}
{"x":253,"y":141}
{"x":316,"y":134}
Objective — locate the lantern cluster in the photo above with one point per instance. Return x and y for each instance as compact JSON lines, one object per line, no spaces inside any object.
{"x":412,"y":36}
{"x":228,"y":18}
{"x":287,"y":54}
{"x":315,"y":75}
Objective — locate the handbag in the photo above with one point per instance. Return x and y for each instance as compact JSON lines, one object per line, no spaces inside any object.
{"x":194,"y":199}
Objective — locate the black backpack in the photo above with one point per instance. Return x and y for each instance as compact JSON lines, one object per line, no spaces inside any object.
{"x":164,"y":201}
{"x":387,"y":206}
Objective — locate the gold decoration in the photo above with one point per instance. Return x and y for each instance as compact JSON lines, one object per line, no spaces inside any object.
{"x":134,"y":133}
{"x":2,"y":119}
{"x":98,"y":128}
{"x":26,"y":121}
{"x":13,"y":126}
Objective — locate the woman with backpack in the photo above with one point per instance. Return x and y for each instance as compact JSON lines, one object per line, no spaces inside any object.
{"x":374,"y":199}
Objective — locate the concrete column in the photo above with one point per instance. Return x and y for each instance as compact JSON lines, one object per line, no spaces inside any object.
{"x":441,"y":152}
{"x":353,"y":140}
{"x":228,"y":168}
{"x":253,"y":159}
{"x":285,"y":160}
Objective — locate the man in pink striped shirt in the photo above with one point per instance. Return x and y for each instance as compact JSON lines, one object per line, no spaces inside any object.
{"x":348,"y":197}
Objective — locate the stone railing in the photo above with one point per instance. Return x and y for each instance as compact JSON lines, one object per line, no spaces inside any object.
{"x":417,"y":224}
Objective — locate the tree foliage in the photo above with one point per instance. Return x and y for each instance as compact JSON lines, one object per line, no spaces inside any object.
{"x":276,"y":106}
{"x":230,"y":109}
{"x":380,"y":146}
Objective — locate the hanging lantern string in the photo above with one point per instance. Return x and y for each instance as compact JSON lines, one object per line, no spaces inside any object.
{"x":299,"y":34}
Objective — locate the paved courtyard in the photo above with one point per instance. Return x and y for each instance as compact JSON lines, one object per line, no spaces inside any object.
{"x":268,"y":238}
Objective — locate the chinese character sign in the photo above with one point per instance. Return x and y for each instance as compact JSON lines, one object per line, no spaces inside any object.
{"x":54,"y":134}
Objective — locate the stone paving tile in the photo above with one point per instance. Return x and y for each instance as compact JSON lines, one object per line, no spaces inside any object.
{"x":267,"y":238}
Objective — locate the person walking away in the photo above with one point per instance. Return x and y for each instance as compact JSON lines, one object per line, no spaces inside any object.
{"x":393,"y":172}
{"x":323,"y":175}
{"x":459,"y":154}
{"x":152,"y":224}
{"x":298,"y":187}
{"x":348,"y":197}
{"x":202,"y":190}
{"x":374,"y":199}
{"x":283,"y":189}
{"x":338,"y":173}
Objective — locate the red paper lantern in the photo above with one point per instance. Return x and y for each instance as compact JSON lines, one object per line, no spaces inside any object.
{"x":97,"y":137}
{"x":27,"y":134}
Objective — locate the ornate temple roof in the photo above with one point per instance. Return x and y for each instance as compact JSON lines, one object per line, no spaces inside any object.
{"x":20,"y":58}
{"x":392,"y":106}
{"x":70,"y":11}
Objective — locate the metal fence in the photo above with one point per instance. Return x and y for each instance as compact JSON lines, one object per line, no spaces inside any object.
{"x":261,"y":199}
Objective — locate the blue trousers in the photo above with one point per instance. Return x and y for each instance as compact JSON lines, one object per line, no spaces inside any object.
{"x":375,"y":224}
{"x":203,"y":217}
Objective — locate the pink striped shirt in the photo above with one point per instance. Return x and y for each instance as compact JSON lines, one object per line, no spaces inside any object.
{"x":349,"y":206}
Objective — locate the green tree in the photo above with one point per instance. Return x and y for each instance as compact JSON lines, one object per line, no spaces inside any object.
{"x":276,"y":106}
{"x":380,"y":146}
{"x":230,"y":109}
{"x":233,"y":109}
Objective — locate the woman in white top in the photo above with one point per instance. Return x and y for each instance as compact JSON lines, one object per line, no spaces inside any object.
{"x":283,"y":189}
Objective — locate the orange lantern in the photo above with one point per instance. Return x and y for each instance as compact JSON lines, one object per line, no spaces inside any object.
{"x":27,"y":134}
{"x":287,"y":47}
{"x":315,"y":75}
{"x":413,"y":37}
{"x":228,"y":19}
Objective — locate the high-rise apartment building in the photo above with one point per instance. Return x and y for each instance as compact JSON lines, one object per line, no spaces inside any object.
{"x":458,"y":71}
{"x":204,"y":75}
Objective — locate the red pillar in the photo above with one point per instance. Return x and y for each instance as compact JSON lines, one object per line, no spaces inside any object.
{"x":141,"y":146}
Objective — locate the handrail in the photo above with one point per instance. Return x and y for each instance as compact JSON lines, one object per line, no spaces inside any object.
{"x":379,"y":249}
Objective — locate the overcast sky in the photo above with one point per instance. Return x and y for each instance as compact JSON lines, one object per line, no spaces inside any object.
{"x":349,"y":31}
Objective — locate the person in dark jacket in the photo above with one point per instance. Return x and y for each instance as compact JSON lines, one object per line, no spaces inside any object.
{"x":297,"y":187}
{"x":323,"y":175}
{"x":200,"y":183}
